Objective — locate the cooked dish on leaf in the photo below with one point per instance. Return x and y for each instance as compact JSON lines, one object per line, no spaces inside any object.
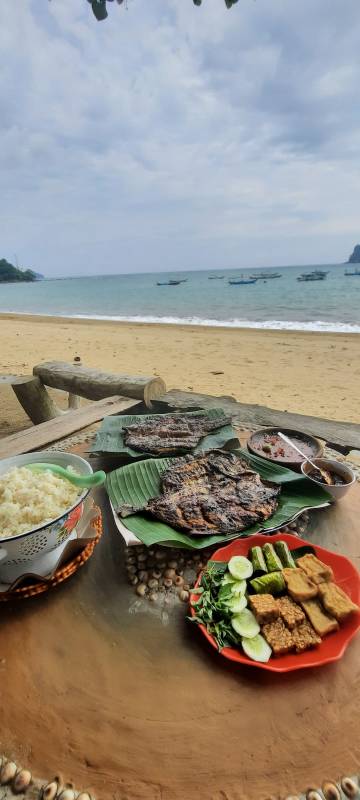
{"x":163,"y":435}
{"x":213,"y":493}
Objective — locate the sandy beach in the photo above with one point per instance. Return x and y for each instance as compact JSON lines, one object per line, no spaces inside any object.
{"x":310,"y":373}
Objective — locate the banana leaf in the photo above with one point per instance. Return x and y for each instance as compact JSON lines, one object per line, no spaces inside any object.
{"x":110,"y":437}
{"x":134,"y":484}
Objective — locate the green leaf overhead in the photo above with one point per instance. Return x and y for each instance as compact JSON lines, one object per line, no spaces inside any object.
{"x":134,"y":484}
{"x":100,"y":11}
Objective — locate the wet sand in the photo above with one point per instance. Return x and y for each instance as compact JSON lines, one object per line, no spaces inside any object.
{"x":309,"y":373}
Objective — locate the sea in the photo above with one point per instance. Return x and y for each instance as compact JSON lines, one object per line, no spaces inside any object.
{"x":281,"y":303}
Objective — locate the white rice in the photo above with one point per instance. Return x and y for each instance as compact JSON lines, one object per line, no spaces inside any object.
{"x":29,"y":499}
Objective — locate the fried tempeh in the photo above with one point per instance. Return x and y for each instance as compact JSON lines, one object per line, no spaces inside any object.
{"x":336,"y":601}
{"x":299,"y":585}
{"x":315,"y":569}
{"x":305,"y":637}
{"x":278,"y":637}
{"x":290,"y":612}
{"x":265,"y":607}
{"x":320,"y":620}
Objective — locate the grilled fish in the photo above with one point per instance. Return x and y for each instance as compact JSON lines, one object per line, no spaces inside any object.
{"x":168,"y":434}
{"x":213,"y":493}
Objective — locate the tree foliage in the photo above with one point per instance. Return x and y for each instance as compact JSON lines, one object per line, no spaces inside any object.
{"x":100,"y":10}
{"x":11,"y":274}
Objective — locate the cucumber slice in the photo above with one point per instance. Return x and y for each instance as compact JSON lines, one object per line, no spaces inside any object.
{"x":237,"y":604}
{"x":245,"y":624}
{"x":240,"y":568}
{"x":228,"y":579}
{"x":238,"y":588}
{"x":256,"y":648}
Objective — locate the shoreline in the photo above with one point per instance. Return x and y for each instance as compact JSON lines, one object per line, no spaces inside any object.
{"x":245,"y":325}
{"x":314,"y":373}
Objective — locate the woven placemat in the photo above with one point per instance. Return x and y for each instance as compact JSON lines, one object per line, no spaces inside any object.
{"x":63,"y":573}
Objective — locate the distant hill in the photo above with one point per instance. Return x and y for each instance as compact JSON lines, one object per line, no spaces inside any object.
{"x":355,"y":255}
{"x":39,"y":276}
{"x":11,"y":274}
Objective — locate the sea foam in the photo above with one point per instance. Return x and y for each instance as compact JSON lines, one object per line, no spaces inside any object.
{"x":269,"y":324}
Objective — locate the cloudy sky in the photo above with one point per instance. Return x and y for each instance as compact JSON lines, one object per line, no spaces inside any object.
{"x":177,"y":137}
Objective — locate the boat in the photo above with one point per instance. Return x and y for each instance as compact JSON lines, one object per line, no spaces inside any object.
{"x":320,"y":272}
{"x":263,"y":276}
{"x":168,"y":283}
{"x":216,"y":277}
{"x":316,"y":275}
{"x":349,"y":272}
{"x":242,"y":280}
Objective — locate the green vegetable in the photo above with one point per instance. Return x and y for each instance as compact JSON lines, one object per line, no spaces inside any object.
{"x":225,"y":592}
{"x":303,"y":551}
{"x":256,"y":648}
{"x":240,"y":567}
{"x":237,"y":604}
{"x":284,"y":554}
{"x":245,"y":624}
{"x":273,"y":562}
{"x":258,"y":561}
{"x":238,"y":588}
{"x":228,"y":578}
{"x":266,"y":448}
{"x":212,"y":610}
{"x":268,"y":584}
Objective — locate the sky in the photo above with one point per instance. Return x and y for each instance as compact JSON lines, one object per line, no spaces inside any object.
{"x":174,"y":137}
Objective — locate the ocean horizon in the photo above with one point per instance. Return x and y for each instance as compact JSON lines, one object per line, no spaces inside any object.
{"x":332,"y":305}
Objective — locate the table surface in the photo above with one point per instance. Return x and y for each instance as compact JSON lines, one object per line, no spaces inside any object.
{"x":130,"y":700}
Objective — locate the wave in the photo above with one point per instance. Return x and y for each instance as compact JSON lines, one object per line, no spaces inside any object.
{"x":267,"y":324}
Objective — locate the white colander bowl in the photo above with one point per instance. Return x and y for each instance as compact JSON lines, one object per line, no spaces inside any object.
{"x":19,"y":554}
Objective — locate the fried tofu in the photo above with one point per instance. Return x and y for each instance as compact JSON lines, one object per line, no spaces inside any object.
{"x":299,"y":585}
{"x":265,"y":607}
{"x":315,"y":569}
{"x":305,"y":637}
{"x":278,"y":637}
{"x":336,"y":601}
{"x":290,"y":612}
{"x":320,"y":620}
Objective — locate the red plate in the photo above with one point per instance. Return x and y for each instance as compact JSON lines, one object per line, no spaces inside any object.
{"x":334,"y":645}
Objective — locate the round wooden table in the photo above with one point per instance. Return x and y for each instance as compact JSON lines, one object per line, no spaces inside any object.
{"x":108,"y":695}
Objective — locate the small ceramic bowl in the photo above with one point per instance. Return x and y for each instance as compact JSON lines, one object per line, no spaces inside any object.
{"x":337,"y":492}
{"x":18,"y":554}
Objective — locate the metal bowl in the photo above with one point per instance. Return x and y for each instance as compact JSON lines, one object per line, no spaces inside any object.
{"x":19,"y":553}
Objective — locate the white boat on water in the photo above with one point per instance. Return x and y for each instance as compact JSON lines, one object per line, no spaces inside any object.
{"x":316,"y":275}
{"x":264,"y":276}
{"x":242,"y":280}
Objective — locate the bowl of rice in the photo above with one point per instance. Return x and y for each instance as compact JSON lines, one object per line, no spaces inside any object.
{"x":38,"y":510}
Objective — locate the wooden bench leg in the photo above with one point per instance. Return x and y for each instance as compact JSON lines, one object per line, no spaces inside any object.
{"x":35,"y":399}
